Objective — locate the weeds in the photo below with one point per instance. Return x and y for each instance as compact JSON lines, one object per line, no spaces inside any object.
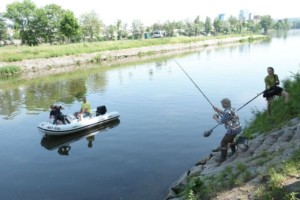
{"x":8,"y":70}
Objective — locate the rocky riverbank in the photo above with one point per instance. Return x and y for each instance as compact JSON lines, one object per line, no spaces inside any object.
{"x":250,"y":165}
{"x":57,"y":63}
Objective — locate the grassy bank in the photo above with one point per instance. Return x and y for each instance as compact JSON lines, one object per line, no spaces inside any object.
{"x":239,"y":174}
{"x":281,"y":112}
{"x":12,"y":53}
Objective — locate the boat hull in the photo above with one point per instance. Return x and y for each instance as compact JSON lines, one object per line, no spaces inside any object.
{"x":77,"y":126}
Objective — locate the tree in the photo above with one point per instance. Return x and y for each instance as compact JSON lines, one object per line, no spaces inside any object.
{"x":207,"y":25}
{"x":23,"y":16}
{"x":266,"y":23}
{"x":69,"y":26}
{"x":37,"y":26}
{"x":3,"y":28}
{"x":169,"y":28}
{"x":137,"y":29}
{"x":90,"y":25}
{"x":233,"y":22}
{"x":198,"y":26}
{"x":282,"y":25}
{"x":54,"y":15}
{"x":189,"y":29}
{"x":253,"y":27}
{"x":217,"y":25}
{"x":119,"y":29}
{"x":110,"y":32}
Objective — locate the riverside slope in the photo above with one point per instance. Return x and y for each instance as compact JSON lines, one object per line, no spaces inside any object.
{"x":265,"y":151}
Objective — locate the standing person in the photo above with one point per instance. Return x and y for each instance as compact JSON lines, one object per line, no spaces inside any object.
{"x":272,"y":88}
{"x":230,"y":119}
{"x":85,"y":110}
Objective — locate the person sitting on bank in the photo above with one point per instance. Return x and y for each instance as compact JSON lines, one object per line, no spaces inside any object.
{"x":85,"y":110}
{"x":272,"y":88}
{"x":230,"y":119}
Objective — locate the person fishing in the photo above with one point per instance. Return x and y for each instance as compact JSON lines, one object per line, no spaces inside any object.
{"x":230,"y":119}
{"x":272,"y":88}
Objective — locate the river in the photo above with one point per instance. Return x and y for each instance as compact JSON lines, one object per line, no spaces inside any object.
{"x":162,"y":119}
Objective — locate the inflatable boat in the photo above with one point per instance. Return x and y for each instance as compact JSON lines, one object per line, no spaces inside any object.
{"x":64,"y":142}
{"x":73,"y":124}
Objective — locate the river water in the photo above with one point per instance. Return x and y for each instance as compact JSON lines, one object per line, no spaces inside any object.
{"x":159,"y":134}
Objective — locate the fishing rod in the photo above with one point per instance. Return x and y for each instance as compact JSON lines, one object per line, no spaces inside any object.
{"x":208,"y":133}
{"x":194,"y":84}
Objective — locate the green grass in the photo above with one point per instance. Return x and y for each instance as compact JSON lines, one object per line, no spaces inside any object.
{"x":277,"y":175}
{"x":9,"y":70}
{"x":12,"y":53}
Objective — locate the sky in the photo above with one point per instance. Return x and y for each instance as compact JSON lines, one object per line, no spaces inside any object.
{"x":160,"y":11}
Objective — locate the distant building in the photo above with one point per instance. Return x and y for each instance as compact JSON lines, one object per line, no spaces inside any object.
{"x":244,"y":15}
{"x":256,"y":18}
{"x":222,"y":17}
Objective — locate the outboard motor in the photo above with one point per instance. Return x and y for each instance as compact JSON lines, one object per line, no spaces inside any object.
{"x":101,"y":110}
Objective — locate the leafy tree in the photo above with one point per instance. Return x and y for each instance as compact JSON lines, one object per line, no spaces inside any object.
{"x":119,"y":29}
{"x":124,"y":31}
{"x":253,"y":27}
{"x":137,"y":29}
{"x":198,"y":26}
{"x":110,"y":32}
{"x":217,"y":25}
{"x":169,"y":28}
{"x":90,"y":25}
{"x":233,"y":22}
{"x":22,"y":14}
{"x":282,"y":25}
{"x":37,"y":24}
{"x":207,"y":25}
{"x":157,"y":26}
{"x":54,"y":15}
{"x":3,"y":28}
{"x":266,"y":23}
{"x":69,"y":26}
{"x":225,"y":27}
{"x":189,"y":29}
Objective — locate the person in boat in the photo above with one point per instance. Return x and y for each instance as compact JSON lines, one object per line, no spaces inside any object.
{"x":230,"y":119}
{"x":85,"y":109}
{"x":52,"y":113}
{"x":272,"y":88}
{"x":56,"y":114}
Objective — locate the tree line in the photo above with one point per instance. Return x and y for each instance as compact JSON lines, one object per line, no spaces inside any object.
{"x":52,"y":24}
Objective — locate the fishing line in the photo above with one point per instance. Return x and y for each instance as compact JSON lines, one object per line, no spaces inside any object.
{"x":194,"y":83}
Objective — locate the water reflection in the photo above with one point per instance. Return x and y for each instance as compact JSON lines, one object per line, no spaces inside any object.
{"x":63,"y":143}
{"x":36,"y":95}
